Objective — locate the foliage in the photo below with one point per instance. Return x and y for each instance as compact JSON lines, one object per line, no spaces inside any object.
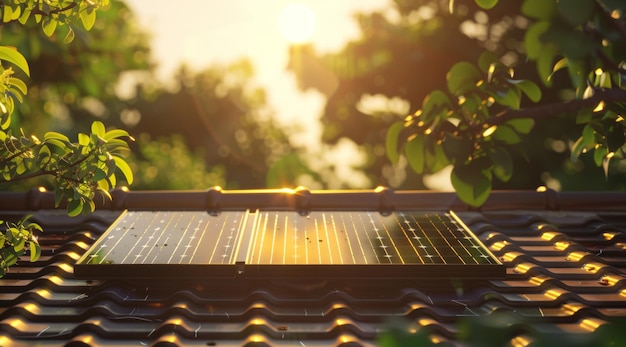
{"x":167,"y":163}
{"x":78,"y":169}
{"x":502,"y":329}
{"x":477,"y":122}
{"x":222,"y":117}
{"x":538,"y":62}
{"x":15,"y":240}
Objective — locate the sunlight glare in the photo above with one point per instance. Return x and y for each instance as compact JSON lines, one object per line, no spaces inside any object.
{"x":296,"y":23}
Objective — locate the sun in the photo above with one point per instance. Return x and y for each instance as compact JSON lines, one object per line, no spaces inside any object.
{"x":296,"y":22}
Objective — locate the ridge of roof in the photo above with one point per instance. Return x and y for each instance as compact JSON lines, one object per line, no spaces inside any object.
{"x":382,"y":199}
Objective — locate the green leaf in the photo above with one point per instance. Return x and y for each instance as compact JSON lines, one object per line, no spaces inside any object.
{"x":97,"y":128}
{"x":115,"y":133}
{"x":486,"y":59}
{"x":19,"y":84}
{"x":83,"y":139}
{"x":462,"y":78}
{"x":506,"y":134}
{"x":584,"y":143}
{"x":433,"y":103}
{"x":414,"y":151}
{"x":49,"y":25}
{"x":575,"y":12}
{"x":438,"y":160}
{"x":532,"y":38}
{"x":598,"y":155}
{"x":584,"y":116}
{"x":539,"y":9}
{"x":74,"y":207}
{"x":529,"y":88}
{"x":122,"y":165}
{"x":487,"y":4}
{"x":544,"y":64}
{"x":70,"y":36}
{"x":88,"y":18}
{"x":472,"y":183}
{"x":391,"y":143}
{"x":502,"y":164}
{"x":14,"y":57}
{"x":457,"y":148}
{"x":54,"y":135}
{"x":8,"y":13}
{"x":35,"y":251}
{"x":521,"y":125}
{"x":508,"y":97}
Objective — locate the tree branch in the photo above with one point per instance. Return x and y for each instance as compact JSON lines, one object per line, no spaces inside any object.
{"x":549,"y":110}
{"x":614,"y":23}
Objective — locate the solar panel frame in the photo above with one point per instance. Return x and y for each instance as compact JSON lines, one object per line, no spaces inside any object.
{"x":287,"y":244}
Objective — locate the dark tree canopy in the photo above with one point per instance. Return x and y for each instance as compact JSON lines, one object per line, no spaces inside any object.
{"x":498,"y":90}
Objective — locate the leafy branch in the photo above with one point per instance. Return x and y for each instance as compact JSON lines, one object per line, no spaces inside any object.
{"x":79,"y":169}
{"x":476,"y":124}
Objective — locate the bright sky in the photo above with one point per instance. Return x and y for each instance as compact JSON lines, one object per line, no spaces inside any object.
{"x":204,"y":32}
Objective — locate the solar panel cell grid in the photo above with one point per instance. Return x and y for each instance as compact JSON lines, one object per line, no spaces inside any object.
{"x":279,"y":238}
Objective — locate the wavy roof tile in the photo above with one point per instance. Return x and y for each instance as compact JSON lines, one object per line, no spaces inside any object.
{"x":565,"y":257}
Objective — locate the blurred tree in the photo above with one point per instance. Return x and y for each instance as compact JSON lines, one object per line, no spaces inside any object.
{"x":74,"y":84}
{"x":415,"y":47}
{"x":223,"y":117}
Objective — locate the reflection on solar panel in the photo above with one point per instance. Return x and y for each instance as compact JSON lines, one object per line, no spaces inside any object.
{"x":325,"y":244}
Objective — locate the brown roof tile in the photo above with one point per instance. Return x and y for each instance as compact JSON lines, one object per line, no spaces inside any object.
{"x":565,"y":259}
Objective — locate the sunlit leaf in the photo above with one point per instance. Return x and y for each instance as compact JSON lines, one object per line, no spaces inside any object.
{"x":115,"y":133}
{"x":19,"y":84}
{"x":8,"y":13}
{"x":57,"y":136}
{"x":97,"y":128}
{"x":83,"y":139}
{"x":49,"y":25}
{"x":35,"y":251}
{"x":122,"y":165}
{"x":88,"y":18}
{"x":14,"y":57}
{"x":74,"y":207}
{"x":70,"y":36}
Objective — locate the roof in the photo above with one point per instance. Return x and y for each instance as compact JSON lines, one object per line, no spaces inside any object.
{"x":565,"y":257}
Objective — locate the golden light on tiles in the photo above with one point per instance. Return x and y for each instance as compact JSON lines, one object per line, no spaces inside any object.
{"x":591,"y":324}
{"x":548,"y":235}
{"x":576,"y":256}
{"x":288,"y":244}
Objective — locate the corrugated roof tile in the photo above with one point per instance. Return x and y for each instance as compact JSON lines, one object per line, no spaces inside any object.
{"x":565,"y":274}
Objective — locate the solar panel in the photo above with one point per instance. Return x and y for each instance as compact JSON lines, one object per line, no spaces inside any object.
{"x":260,"y":243}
